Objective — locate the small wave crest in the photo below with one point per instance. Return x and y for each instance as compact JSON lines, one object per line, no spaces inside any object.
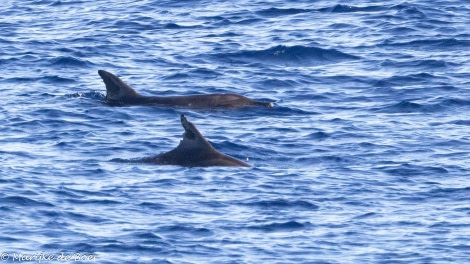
{"x":290,"y":56}
{"x":407,"y":106}
{"x":459,"y":194}
{"x":283,"y":204}
{"x":418,"y":64}
{"x":69,"y":61}
{"x":426,"y":44}
{"x":23,"y":201}
{"x":49,"y":79}
{"x":280,"y":227}
{"x":412,"y":170}
{"x":340,"y":8}
{"x":89,"y":95}
{"x":188,"y":230}
{"x":274,"y":12}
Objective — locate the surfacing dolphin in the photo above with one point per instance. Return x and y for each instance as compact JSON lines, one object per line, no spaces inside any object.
{"x":119,"y":93}
{"x":194,"y":151}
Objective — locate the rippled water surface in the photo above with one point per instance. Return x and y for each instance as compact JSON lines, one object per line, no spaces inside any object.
{"x":363,"y":159}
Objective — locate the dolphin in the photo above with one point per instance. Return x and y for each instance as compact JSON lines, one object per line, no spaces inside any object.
{"x":193,"y":151}
{"x":120,"y":94}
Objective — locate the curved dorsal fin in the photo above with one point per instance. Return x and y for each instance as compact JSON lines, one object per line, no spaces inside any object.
{"x":116,"y":89}
{"x":192,"y":138}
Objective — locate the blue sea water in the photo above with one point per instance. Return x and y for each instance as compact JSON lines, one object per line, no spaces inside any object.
{"x":363,"y":159}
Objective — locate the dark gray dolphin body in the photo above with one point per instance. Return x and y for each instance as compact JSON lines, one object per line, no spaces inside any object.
{"x":119,"y":93}
{"x":194,"y":151}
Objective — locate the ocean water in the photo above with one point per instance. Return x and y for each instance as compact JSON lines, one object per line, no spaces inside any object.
{"x":365,"y":157}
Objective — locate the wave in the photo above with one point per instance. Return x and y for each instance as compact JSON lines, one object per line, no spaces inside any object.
{"x":26,"y":58}
{"x":223,"y":22}
{"x":280,"y":227}
{"x":89,"y":95}
{"x":407,"y":106}
{"x":227,"y":146}
{"x":186,"y":229}
{"x":318,"y":136}
{"x":150,"y":24}
{"x":44,"y":79}
{"x":455,"y":194}
{"x":274,"y":12}
{"x":422,"y":44}
{"x":84,"y":218}
{"x":23,"y":201}
{"x":440,"y":194}
{"x":194,"y":73}
{"x":63,"y":3}
{"x":409,"y":11}
{"x":283,"y":204}
{"x":413,"y":170}
{"x":9,"y":239}
{"x":65,"y":192}
{"x":146,"y":235}
{"x":153,"y":206}
{"x":57,"y":79}
{"x":420,"y":64}
{"x":176,"y":26}
{"x":365,"y":215}
{"x":461,"y":122}
{"x":126,"y":25}
{"x":93,"y":201}
{"x":454,"y":102}
{"x":411,"y":79}
{"x":68,"y":61}
{"x":339,"y":8}
{"x":225,"y":35}
{"x":278,"y":83}
{"x":289,"y":56}
{"x":70,"y":246}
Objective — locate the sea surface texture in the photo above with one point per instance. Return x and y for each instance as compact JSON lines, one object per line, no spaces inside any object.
{"x":365,"y":157}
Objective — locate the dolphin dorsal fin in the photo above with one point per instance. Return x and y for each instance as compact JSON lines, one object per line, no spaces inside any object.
{"x":192,"y":138}
{"x":116,"y":89}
